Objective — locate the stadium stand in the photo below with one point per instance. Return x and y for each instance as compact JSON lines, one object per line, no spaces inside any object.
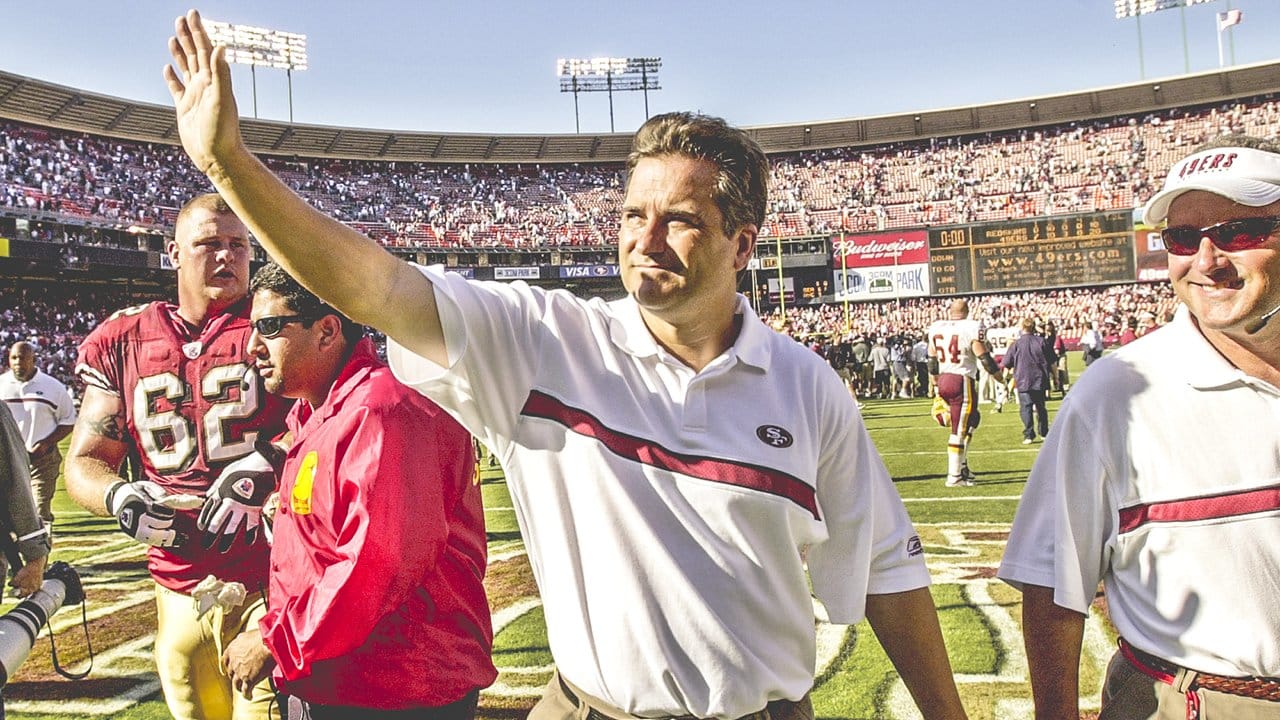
{"x":56,"y":316}
{"x":1070,"y":308}
{"x":97,"y":181}
{"x":1098,"y":165}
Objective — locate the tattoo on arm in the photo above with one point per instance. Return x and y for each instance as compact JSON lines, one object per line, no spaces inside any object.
{"x":109,"y":426}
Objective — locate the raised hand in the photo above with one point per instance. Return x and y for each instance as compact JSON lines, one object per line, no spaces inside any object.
{"x":201,"y":88}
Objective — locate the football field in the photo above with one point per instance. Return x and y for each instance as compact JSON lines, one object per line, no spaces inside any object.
{"x":963,"y":530}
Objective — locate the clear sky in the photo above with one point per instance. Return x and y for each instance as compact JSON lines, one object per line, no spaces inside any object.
{"x":489,"y":65}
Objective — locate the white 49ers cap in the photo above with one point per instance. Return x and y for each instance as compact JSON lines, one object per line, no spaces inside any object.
{"x":1246,"y":176}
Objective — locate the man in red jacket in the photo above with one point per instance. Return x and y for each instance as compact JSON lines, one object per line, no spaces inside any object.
{"x":376,"y":604}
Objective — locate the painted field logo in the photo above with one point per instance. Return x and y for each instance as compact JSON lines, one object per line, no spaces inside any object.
{"x":774,"y":436}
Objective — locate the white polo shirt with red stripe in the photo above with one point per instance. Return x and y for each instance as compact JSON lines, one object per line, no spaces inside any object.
{"x":667,"y":513}
{"x":39,"y":405}
{"x":1161,"y":478}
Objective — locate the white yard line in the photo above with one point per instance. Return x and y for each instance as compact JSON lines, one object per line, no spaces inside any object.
{"x":830,"y":639}
{"x":511,"y":613}
{"x":149,"y":685}
{"x":962,"y":498}
{"x":503,"y":690}
{"x":972,"y":451}
{"x":507,"y":554}
{"x":69,"y":618}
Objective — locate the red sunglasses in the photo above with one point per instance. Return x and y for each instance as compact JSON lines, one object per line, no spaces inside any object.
{"x":1229,"y":236}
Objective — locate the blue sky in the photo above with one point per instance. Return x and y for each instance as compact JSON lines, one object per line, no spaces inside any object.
{"x":489,"y":65}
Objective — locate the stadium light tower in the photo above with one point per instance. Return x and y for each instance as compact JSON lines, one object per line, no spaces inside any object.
{"x":254,"y":46}
{"x":1137,"y":8}
{"x":606,"y":75}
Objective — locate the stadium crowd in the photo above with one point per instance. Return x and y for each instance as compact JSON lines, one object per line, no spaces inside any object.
{"x":1076,"y":167}
{"x":1112,"y":308}
{"x":56,"y":317}
{"x":1091,"y":166}
{"x":880,"y":349}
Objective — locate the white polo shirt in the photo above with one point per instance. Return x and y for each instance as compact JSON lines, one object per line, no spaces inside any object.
{"x":39,"y":405}
{"x":1161,"y":478}
{"x":666,"y":511}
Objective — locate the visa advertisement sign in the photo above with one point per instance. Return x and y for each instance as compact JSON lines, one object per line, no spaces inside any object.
{"x":882,"y":283}
{"x":569,"y":272}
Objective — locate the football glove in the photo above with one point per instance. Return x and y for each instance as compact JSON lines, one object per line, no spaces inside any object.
{"x":941,"y":411}
{"x":235,"y":499}
{"x":142,"y":517}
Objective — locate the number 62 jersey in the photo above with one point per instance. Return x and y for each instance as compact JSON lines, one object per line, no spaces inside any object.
{"x":186,"y":410}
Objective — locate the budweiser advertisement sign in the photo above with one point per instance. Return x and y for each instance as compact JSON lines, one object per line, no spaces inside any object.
{"x":879,"y":249}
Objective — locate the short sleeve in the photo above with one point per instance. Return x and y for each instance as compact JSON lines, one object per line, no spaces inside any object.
{"x":1063,"y":528}
{"x":872,"y":547}
{"x":492,"y":335}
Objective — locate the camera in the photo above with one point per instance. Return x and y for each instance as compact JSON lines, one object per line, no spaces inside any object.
{"x":20,"y":626}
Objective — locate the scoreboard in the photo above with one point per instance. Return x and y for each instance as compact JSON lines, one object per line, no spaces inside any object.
{"x":1088,"y":249}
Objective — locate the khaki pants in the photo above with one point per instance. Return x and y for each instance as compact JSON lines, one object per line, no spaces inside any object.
{"x":189,"y":660}
{"x":44,"y":480}
{"x":1128,"y":694}
{"x":556,"y":705}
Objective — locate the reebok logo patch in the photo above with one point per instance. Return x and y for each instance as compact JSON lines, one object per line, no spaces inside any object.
{"x":914,"y":547}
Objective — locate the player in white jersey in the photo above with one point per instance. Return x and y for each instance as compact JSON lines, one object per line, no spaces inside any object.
{"x":956,"y":347}
{"x":998,"y":339}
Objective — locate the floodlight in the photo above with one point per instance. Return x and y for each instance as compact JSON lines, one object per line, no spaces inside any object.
{"x":606,"y":74}
{"x":254,"y":46}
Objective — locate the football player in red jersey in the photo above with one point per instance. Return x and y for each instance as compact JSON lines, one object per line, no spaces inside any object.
{"x":170,"y":380}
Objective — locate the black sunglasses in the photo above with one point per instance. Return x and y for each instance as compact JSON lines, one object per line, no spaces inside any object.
{"x":1229,"y":236}
{"x":273,"y":325}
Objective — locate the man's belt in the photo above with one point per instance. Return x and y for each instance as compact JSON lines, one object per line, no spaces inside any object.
{"x":776,"y":708}
{"x":1259,"y":688}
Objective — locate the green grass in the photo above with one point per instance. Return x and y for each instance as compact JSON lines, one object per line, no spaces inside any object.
{"x":970,"y":643}
{"x":962,"y":530}
{"x":524,"y":642}
{"x":860,"y":682}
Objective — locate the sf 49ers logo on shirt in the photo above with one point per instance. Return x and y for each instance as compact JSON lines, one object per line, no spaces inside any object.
{"x":774,"y":436}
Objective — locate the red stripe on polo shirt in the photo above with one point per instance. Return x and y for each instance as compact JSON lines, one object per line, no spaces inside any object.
{"x":1212,"y":507}
{"x":654,"y":455}
{"x":21,"y":400}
